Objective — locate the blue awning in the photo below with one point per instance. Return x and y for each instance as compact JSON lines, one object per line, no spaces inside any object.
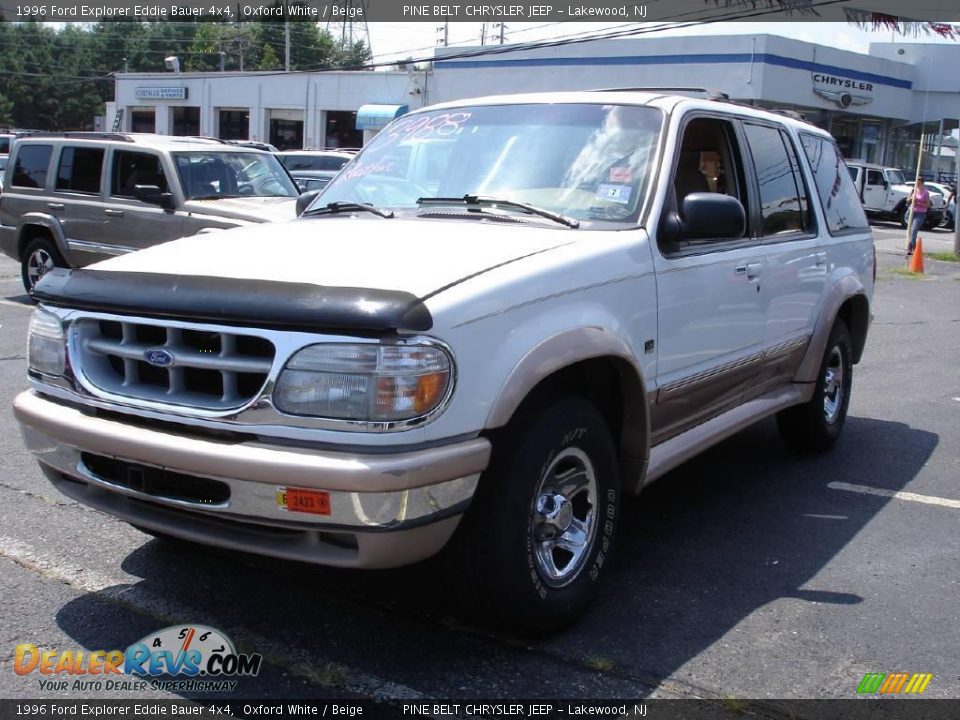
{"x":376,"y":117}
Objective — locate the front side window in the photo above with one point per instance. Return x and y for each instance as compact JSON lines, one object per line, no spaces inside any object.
{"x":583,"y":161}
{"x":838,"y":196}
{"x":210,"y":174}
{"x":894,"y":177}
{"x":80,"y":169}
{"x":135,"y":168}
{"x":783,"y":203}
{"x":30,"y":170}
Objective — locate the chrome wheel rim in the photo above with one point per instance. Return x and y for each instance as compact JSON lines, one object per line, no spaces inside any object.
{"x":833,"y":380}
{"x":564,"y":521}
{"x":38,"y":264}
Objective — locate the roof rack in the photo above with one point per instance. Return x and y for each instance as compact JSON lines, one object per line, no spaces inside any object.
{"x":709,"y":94}
{"x":82,"y":135}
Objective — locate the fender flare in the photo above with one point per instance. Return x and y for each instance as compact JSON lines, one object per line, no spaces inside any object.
{"x":842,"y":290}
{"x":569,"y":348}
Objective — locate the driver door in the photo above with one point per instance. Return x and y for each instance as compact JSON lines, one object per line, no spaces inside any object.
{"x":874,"y":190}
{"x":130,"y":223}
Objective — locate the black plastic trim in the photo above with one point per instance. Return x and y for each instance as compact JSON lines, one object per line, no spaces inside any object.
{"x":263,"y":303}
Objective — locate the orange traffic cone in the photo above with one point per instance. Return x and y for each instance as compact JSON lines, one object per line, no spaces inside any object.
{"x":916,"y":260}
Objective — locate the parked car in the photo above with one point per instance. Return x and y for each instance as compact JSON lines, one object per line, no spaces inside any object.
{"x":6,"y":142}
{"x":3,"y":166}
{"x":308,"y":180}
{"x":315,"y":160}
{"x":884,"y":192}
{"x":254,"y":145}
{"x":600,"y":286}
{"x":71,"y":199}
{"x":949,"y":208}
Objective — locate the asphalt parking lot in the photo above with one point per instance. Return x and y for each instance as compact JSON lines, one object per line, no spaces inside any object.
{"x":749,"y":572}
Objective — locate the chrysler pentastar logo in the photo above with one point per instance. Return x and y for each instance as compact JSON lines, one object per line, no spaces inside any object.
{"x":842,"y":98}
{"x":158,"y":357}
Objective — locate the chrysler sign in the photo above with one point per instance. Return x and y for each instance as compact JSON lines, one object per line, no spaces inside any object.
{"x":842,"y":90}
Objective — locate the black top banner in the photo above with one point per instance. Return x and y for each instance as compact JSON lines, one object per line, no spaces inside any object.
{"x":875,"y":12}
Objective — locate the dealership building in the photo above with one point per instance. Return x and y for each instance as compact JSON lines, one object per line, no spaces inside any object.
{"x":876,"y":105}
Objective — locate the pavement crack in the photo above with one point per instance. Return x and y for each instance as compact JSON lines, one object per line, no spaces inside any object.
{"x":46,"y":499}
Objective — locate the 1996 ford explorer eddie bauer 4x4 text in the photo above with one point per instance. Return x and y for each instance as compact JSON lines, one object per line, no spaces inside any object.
{"x":498,"y":318}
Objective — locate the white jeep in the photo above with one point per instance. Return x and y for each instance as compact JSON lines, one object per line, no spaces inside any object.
{"x":595,"y":287}
{"x":884,"y":193}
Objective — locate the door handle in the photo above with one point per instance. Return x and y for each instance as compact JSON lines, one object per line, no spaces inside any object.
{"x":751,"y":270}
{"x":55,"y":206}
{"x":114,"y":213}
{"x":820,"y":258}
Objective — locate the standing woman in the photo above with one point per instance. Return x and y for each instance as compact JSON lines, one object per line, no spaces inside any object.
{"x":920,"y":197}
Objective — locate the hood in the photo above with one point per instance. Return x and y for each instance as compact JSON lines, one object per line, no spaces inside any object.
{"x":253,"y":209}
{"x":414,"y":256}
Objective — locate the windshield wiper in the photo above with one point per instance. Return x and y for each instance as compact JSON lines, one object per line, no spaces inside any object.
{"x":333,"y":208}
{"x":484,"y":201}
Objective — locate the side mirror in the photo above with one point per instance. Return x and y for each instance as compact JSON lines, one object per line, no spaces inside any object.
{"x":303,"y":202}
{"x":151,"y":194}
{"x":710,"y":216}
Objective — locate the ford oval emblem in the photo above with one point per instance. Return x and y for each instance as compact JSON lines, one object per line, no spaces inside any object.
{"x":158,"y":357}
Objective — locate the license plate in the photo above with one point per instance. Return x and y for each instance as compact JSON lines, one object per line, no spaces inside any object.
{"x":293,"y":499}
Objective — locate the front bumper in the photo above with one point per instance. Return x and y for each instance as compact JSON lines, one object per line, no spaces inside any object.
{"x":385,"y":510}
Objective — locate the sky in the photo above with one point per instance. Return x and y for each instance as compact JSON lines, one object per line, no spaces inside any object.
{"x":397,"y":41}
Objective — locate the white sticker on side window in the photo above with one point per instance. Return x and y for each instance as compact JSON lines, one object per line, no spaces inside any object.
{"x":614,"y":193}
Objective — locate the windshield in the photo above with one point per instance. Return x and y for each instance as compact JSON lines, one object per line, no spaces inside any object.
{"x":212,"y":174}
{"x":894,"y":177}
{"x":589,"y":162}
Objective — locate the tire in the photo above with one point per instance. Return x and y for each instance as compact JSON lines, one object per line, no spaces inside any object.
{"x":904,"y":215}
{"x":39,"y":257}
{"x":510,"y":569}
{"x":816,"y":425}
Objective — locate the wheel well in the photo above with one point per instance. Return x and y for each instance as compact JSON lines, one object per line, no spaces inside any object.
{"x":855,"y":313}
{"x":28,"y":233}
{"x":612,"y":385}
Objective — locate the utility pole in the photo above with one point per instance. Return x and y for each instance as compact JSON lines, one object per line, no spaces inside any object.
{"x":286,"y":36}
{"x":445,"y":29}
{"x":483,"y":34}
{"x":956,"y":200}
{"x":503,"y":29}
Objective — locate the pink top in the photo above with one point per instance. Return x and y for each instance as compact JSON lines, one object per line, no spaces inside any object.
{"x":921,"y":200}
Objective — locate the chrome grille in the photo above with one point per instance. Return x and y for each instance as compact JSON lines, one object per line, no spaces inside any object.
{"x":210,"y":369}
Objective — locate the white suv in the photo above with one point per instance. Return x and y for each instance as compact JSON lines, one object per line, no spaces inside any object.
{"x":884,"y":193}
{"x":595,"y":288}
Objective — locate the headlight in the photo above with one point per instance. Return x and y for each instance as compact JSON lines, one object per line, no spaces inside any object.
{"x":46,"y":349}
{"x":368,"y":383}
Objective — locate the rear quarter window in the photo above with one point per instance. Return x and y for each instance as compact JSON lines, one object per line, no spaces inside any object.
{"x":838,"y":196}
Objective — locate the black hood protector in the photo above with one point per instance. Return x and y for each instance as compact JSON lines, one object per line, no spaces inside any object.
{"x":261,"y":303}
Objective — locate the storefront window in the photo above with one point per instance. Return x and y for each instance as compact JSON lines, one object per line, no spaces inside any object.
{"x":234,"y":124}
{"x":286,"y":134}
{"x":143,"y":120}
{"x":186,"y":121}
{"x":342,"y":130}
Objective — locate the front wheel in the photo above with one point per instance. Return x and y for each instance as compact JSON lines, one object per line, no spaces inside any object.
{"x":816,"y":425}
{"x":541,"y":527}
{"x":904,"y":217}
